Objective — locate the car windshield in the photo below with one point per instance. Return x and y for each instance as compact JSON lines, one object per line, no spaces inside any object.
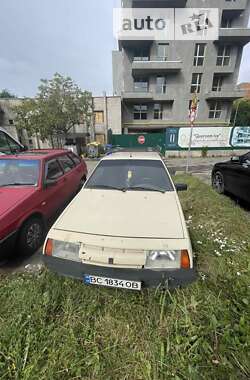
{"x":18,"y":172}
{"x":125,"y":175}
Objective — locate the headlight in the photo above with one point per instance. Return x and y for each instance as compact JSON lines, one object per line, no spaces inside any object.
{"x":62,"y":249}
{"x":163,"y":260}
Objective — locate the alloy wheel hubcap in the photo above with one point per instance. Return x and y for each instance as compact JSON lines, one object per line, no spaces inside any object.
{"x":34,"y":234}
{"x":218,"y":182}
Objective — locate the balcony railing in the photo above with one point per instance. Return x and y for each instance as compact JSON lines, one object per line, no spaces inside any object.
{"x":149,"y":96}
{"x":225,"y":94}
{"x":235,"y":5}
{"x":241,"y":35}
{"x":159,"y":3}
{"x":156,"y":67}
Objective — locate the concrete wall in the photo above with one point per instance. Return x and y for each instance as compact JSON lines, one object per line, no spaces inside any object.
{"x":111,"y":108}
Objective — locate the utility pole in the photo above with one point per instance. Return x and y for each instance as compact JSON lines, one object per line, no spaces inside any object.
{"x":192,"y":116}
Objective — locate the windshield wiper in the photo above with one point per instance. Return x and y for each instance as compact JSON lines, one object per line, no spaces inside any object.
{"x":145,"y":188}
{"x":105,"y":187}
{"x":17,"y":184}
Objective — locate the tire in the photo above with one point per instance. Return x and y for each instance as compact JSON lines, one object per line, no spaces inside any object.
{"x":218,"y":183}
{"x":31,"y":236}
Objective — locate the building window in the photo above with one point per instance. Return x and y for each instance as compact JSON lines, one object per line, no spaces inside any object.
{"x":196,"y":83}
{"x":158,"y":111}
{"x":162,"y":52}
{"x":141,"y":54}
{"x":11,"y":122}
{"x":99,"y":117}
{"x":161,"y":85}
{"x":140,"y":112}
{"x":226,"y":21}
{"x":217,"y":83}
{"x":223,"y":57}
{"x":199,"y":54}
{"x":215,"y":110}
{"x":141,"y":85}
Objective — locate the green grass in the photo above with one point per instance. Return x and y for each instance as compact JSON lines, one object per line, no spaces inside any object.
{"x":56,"y":328}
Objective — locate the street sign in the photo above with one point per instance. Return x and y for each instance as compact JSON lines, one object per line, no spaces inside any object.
{"x":141,"y":140}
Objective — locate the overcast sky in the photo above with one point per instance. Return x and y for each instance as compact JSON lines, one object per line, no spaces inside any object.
{"x":72,"y":37}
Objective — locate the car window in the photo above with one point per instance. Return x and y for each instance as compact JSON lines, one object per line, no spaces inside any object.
{"x":7,"y":145}
{"x":75,"y":158}
{"x":4,"y":146}
{"x":53,"y":170}
{"x":66,"y":162}
{"x":19,"y":172}
{"x":246,"y":159}
{"x":131,"y":174}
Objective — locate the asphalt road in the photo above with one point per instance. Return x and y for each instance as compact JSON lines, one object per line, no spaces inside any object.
{"x":33,"y":263}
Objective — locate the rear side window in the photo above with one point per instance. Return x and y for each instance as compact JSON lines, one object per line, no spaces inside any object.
{"x":75,"y":158}
{"x":54,"y":170}
{"x":8,"y":145}
{"x":246,"y":158}
{"x":66,"y":162}
{"x":4,"y":146}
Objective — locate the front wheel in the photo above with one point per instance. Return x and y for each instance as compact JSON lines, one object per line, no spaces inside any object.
{"x":218,"y":183}
{"x":31,"y":236}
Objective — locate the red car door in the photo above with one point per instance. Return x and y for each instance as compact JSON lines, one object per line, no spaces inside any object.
{"x":54,"y":194}
{"x":73,"y":174}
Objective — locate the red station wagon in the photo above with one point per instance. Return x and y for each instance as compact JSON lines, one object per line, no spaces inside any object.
{"x":33,"y":186}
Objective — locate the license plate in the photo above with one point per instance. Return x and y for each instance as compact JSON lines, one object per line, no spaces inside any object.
{"x":112,"y":282}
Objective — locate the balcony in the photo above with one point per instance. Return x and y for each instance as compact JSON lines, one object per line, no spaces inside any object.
{"x":234,"y":5}
{"x":156,"y":67}
{"x":224,"y":95}
{"x":137,"y":96}
{"x":159,"y":3}
{"x":240,"y":35}
{"x":146,"y":97}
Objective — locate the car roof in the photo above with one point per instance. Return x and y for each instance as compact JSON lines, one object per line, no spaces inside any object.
{"x":133,"y":155}
{"x":36,"y":154}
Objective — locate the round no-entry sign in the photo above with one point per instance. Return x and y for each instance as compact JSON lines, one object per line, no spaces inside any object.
{"x":141,"y":140}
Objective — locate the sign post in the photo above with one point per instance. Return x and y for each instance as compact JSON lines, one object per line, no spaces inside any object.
{"x":192,"y":116}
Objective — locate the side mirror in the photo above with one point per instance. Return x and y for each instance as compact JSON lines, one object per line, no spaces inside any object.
{"x":235,"y":159}
{"x":50,"y":182}
{"x":24,"y":148}
{"x":181,"y":187}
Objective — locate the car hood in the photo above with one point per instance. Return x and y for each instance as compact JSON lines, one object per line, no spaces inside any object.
{"x":132,"y":214}
{"x":11,"y":196}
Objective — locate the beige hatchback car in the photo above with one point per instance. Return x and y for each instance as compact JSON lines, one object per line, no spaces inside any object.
{"x":125,"y":228}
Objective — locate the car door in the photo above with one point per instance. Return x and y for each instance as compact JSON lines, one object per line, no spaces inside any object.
{"x":54,"y":194}
{"x":231,"y":174}
{"x":244,"y":180}
{"x":70,"y":174}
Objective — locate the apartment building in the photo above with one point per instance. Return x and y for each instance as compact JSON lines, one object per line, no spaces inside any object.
{"x":157,"y":79}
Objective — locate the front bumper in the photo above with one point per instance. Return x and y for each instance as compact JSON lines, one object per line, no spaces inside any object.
{"x":149,"y":278}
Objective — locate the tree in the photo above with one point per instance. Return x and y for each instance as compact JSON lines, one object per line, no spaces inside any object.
{"x":58,"y":107}
{"x":64,"y":105}
{"x":29,"y":117}
{"x":241,"y":112}
{"x":5,"y":94}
